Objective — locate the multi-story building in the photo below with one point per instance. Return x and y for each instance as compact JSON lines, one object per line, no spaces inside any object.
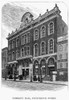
{"x":36,"y":42}
{"x":4,"y":60}
{"x":62,"y":57}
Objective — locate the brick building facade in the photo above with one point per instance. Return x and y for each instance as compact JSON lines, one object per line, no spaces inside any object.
{"x":36,"y":42}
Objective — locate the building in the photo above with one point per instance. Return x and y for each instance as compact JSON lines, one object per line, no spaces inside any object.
{"x":4,"y":60}
{"x":62,"y":58}
{"x":36,"y":42}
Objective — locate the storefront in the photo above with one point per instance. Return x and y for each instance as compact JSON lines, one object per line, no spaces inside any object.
{"x":23,"y":68}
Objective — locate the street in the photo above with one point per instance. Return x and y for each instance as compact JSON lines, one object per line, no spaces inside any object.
{"x":27,"y":85}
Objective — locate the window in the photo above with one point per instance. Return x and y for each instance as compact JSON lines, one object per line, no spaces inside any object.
{"x":36,"y":50}
{"x":13,"y":55}
{"x":13,"y":44}
{"x":10,"y":45}
{"x":60,"y":56}
{"x":28,"y":37}
{"x":61,"y":65}
{"x":66,"y":64}
{"x":50,"y":28}
{"x":36,"y":34}
{"x":27,"y":51}
{"x":43,"y":48}
{"x":10,"y":57}
{"x":22,"y":52}
{"x":51,"y":46}
{"x":43,"y":31}
{"x":60,"y":48}
{"x":67,"y":56}
{"x":25,"y":38}
{"x":17,"y":54}
{"x":22,"y":40}
{"x":17,"y":42}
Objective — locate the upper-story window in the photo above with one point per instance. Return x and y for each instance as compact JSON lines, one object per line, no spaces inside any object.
{"x":43,"y":48}
{"x":13,"y":44}
{"x":60,"y":48}
{"x":36,"y":34}
{"x":17,"y":42}
{"x":25,"y":38}
{"x":22,"y":52}
{"x":42,"y":31}
{"x":27,"y":50}
{"x":17,"y":53}
{"x":13,"y":55}
{"x":28,"y":38}
{"x":36,"y":50}
{"x":51,"y":28}
{"x":22,"y":40}
{"x":51,"y":45}
{"x":9,"y":45}
{"x":10,"y":57}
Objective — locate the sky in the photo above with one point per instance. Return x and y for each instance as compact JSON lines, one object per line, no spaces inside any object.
{"x":13,"y":11}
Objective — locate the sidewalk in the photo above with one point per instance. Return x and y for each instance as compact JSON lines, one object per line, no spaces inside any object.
{"x":45,"y":82}
{"x":56,"y":82}
{"x":49,"y":82}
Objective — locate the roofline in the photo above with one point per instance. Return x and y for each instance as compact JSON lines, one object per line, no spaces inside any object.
{"x":45,"y":15}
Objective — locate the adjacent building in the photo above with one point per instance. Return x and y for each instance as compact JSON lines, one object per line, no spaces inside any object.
{"x":37,"y":42}
{"x":4,"y":60}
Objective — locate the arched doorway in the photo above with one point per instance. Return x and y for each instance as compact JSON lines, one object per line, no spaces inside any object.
{"x":36,"y":69}
{"x":43,"y":67}
{"x":51,"y":66}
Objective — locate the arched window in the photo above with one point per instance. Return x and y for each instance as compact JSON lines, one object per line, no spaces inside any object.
{"x":22,"y":52}
{"x":43,"y":48}
{"x":36,"y":34}
{"x":36,"y":50}
{"x":17,"y":42}
{"x":43,"y":31}
{"x":51,"y":28}
{"x":13,"y":44}
{"x":17,"y":54}
{"x":51,"y":45}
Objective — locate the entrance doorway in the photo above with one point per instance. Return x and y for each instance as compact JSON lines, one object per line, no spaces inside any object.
{"x":51,"y":66}
{"x":36,"y":70}
{"x":43,"y":67}
{"x":25,"y":73}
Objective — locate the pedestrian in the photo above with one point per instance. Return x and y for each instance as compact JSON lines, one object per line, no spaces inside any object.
{"x":5,"y":74}
{"x":15,"y":72}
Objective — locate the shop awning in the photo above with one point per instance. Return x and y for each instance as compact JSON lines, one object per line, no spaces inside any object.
{"x":51,"y":65}
{"x":26,"y":57}
{"x":12,"y":62}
